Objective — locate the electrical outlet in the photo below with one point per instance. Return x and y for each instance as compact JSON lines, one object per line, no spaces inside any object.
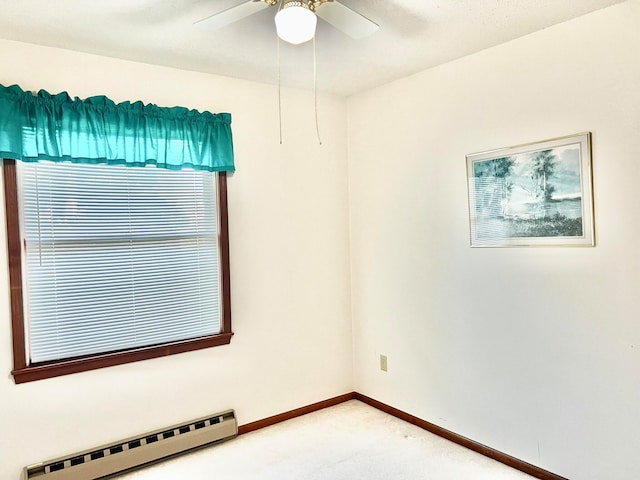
{"x":383,"y":363}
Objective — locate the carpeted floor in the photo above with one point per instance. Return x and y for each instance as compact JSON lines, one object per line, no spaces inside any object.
{"x":351,"y":441}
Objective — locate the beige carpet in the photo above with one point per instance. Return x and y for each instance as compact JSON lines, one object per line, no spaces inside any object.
{"x":351,"y":441}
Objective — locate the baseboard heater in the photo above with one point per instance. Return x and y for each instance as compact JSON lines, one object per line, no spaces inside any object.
{"x":137,"y":451}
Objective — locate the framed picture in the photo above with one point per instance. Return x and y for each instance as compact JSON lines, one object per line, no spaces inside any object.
{"x":534,"y":194}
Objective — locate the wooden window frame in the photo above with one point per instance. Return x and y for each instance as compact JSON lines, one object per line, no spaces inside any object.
{"x":24,"y":372}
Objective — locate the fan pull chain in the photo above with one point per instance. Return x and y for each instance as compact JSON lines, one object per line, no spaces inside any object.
{"x":315,"y":84}
{"x":279,"y":93}
{"x":279,"y":80}
{"x":315,"y":88}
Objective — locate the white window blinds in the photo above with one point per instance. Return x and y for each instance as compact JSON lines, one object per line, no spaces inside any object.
{"x":117,"y":257}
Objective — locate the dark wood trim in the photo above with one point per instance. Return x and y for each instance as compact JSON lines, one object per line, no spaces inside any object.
{"x":508,"y":460}
{"x":314,"y":407}
{"x":224,"y":252}
{"x":23,"y":372}
{"x":463,"y":441}
{"x":66,"y":367}
{"x":14,"y":251}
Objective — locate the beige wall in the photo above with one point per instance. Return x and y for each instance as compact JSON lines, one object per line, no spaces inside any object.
{"x":289,"y":270}
{"x":532,"y":351}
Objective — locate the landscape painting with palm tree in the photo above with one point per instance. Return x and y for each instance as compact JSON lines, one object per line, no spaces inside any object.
{"x":534,"y":193}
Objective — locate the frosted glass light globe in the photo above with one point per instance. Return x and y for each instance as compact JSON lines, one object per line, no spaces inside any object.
{"x":296,"y":23}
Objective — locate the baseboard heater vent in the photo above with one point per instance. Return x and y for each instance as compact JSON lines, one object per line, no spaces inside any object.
{"x":136,"y":451}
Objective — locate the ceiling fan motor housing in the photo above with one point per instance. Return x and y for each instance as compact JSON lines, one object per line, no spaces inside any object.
{"x":335,"y":13}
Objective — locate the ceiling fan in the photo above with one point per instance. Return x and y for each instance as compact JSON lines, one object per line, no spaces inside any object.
{"x":296,"y":20}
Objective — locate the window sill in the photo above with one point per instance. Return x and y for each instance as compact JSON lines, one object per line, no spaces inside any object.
{"x":55,"y":369}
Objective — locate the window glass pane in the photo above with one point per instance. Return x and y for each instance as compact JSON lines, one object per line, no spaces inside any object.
{"x":117,"y":257}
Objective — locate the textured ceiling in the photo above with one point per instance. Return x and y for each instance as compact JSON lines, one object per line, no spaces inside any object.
{"x":413,"y":35}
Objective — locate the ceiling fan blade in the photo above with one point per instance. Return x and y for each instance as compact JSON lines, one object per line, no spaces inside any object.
{"x":231,"y":15}
{"x":346,"y":20}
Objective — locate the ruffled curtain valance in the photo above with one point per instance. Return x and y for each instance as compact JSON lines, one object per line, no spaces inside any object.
{"x":97,"y":130}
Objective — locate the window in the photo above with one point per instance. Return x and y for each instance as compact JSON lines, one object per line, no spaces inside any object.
{"x":112,"y":264}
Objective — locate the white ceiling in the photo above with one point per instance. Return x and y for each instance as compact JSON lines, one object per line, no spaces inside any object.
{"x":414,"y":35}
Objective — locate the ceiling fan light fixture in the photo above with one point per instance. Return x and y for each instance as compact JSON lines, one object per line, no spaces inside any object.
{"x":296,"y":22}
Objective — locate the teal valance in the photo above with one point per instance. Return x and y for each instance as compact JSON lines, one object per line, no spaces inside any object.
{"x":97,"y":130}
